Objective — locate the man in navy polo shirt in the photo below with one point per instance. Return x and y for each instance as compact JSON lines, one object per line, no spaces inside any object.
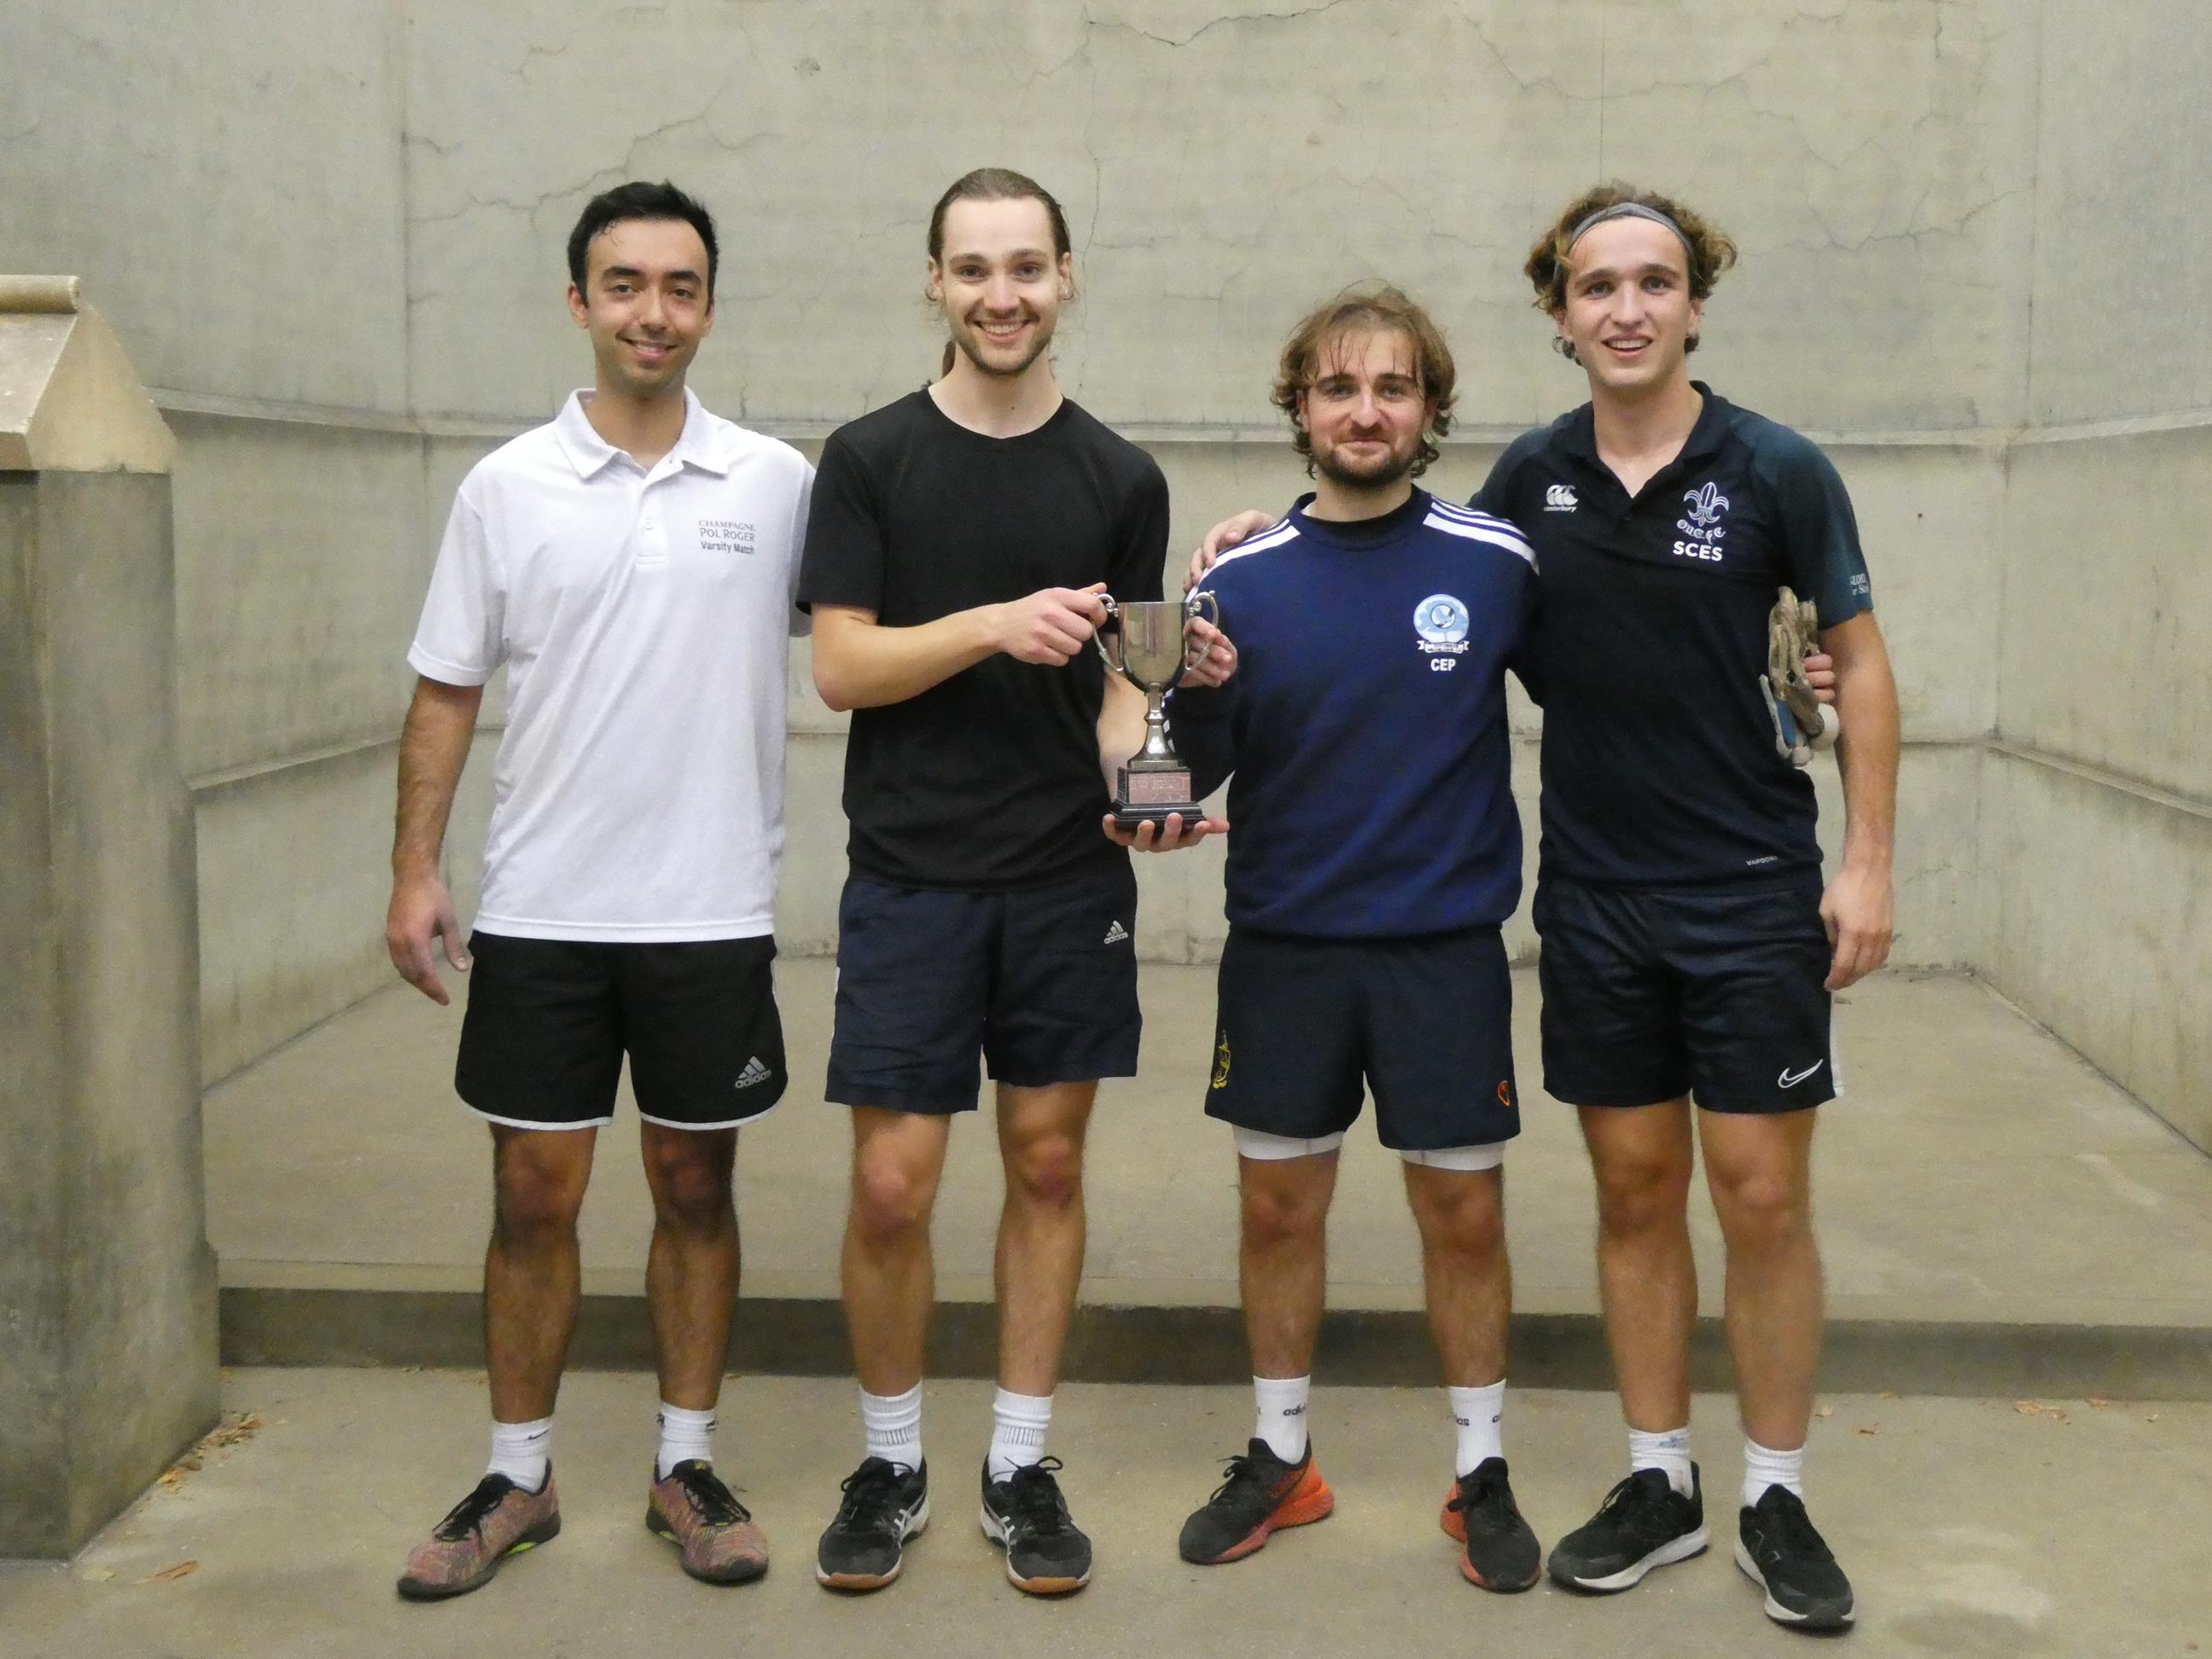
{"x":1376,"y":852}
{"x":1690,"y":947}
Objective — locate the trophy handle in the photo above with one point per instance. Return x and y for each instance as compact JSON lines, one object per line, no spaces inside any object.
{"x":1202,"y":602}
{"x":1111,"y":625}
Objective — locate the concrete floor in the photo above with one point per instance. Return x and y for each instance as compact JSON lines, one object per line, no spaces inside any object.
{"x":1978,"y":1170}
{"x":1970,"y":1526}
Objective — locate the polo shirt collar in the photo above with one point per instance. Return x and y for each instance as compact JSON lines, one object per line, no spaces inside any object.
{"x":1580,"y":438}
{"x":698,"y":444}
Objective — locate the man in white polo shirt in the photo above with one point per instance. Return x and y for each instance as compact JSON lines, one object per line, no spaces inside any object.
{"x":632,"y":565}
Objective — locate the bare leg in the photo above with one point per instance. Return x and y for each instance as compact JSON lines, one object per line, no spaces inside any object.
{"x":1464,"y":1268}
{"x":898,"y":1158}
{"x":531,"y":1270}
{"x":1760,"y":1170}
{"x":1283,"y":1258}
{"x":1039,"y":1264}
{"x":1647,"y":1277}
{"x":691,"y":1271}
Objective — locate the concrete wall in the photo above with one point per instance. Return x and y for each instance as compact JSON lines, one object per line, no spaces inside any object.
{"x":340,"y":252}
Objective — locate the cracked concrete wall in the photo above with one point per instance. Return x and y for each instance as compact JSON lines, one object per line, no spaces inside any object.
{"x":2097,"y":821}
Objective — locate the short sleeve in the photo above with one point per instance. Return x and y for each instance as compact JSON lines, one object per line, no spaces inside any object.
{"x":461,"y":638}
{"x":800,"y":621}
{"x":844,"y":559}
{"x":1819,"y":533}
{"x":1141,"y":560}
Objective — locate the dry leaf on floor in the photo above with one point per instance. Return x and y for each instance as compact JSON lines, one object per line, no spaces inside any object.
{"x":1887,"y":1394}
{"x":2153,"y":1417}
{"x":2028,"y":1407}
{"x":1825,"y":1412}
{"x":1870,"y":1428}
{"x":97,"y":1575}
{"x":2098,"y":1404}
{"x":170,"y":1575}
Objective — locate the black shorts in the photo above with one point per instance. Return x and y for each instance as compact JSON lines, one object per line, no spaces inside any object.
{"x":1041,"y":981}
{"x":1715,"y":991}
{"x":549,"y":1021}
{"x":1426,"y":1023}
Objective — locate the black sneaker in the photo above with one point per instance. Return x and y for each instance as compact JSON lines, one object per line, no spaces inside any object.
{"x":885,"y":1504}
{"x":1780,"y":1551}
{"x":1643,"y":1524}
{"x":1502,"y":1552}
{"x":1260,"y":1494}
{"x":1046,"y":1553}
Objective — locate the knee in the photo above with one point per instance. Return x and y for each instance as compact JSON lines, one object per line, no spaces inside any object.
{"x":890,"y":1200}
{"x":1641,"y":1195}
{"x":1275,"y":1217}
{"x":1469,"y":1224}
{"x":1761,"y":1212}
{"x":690,"y":1179}
{"x":537,"y":1200}
{"x":1047,"y":1172}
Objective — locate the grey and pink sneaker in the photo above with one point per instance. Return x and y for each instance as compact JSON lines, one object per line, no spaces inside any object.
{"x":694,"y":1511}
{"x":497,"y":1520}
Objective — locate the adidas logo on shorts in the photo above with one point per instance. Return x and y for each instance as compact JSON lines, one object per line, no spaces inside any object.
{"x":1115,"y":933}
{"x":753,"y":1073}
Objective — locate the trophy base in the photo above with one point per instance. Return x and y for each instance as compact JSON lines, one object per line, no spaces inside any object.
{"x":1130,"y":817}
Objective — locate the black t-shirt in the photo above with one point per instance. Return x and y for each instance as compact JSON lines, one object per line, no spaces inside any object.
{"x":1659,"y":762}
{"x":989,"y":779}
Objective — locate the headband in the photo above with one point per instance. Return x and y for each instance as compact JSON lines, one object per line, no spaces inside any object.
{"x":1632,"y":210}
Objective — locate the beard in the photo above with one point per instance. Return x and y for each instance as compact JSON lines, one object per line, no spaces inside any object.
{"x":1373,"y":475}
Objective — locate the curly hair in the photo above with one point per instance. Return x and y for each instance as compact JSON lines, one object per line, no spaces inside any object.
{"x":1363,"y":308}
{"x":1711,"y":249}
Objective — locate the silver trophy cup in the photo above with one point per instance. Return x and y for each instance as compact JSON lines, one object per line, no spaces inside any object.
{"x":1147,"y":643}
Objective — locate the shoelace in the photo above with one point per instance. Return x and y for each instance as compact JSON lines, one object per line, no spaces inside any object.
{"x":469,"y":1514}
{"x":1639,"y":1504}
{"x":1238,"y":1472}
{"x":1033,"y":1497}
{"x":870,"y":1491}
{"x":1476,"y":1490}
{"x":1792,"y":1531}
{"x":717,"y":1505}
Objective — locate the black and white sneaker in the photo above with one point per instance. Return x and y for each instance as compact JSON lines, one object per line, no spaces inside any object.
{"x":1781,"y":1551}
{"x":1643,"y":1524}
{"x":885,"y":1504}
{"x":1047,"y":1554}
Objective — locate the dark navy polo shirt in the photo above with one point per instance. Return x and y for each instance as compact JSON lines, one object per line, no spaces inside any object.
{"x":1367,"y":725}
{"x":1659,"y":762}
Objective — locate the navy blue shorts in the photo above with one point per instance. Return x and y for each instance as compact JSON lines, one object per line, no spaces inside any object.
{"x":1041,"y":981}
{"x":1715,"y":992}
{"x":549,"y":1019}
{"x":1307,"y":1025}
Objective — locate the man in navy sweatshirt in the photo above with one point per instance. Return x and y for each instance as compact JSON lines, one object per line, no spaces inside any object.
{"x":1377,"y":852}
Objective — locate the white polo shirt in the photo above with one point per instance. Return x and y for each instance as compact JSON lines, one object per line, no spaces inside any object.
{"x":644,"y":617}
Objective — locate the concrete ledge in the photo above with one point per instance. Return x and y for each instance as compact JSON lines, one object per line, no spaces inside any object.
{"x":801,"y":1336}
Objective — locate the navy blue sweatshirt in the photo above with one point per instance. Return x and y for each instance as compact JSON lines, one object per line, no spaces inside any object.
{"x":1365,"y":724}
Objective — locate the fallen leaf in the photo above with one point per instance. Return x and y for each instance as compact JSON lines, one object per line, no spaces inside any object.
{"x":1871,"y":1428}
{"x":1887,"y":1394}
{"x":2153,"y":1417}
{"x":2027,"y":1407}
{"x":1825,"y":1412}
{"x":2098,"y":1404}
{"x":98,"y":1576}
{"x":170,"y":1575}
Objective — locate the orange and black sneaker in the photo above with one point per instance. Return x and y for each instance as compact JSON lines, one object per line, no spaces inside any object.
{"x":1499,"y":1549}
{"x":1260,"y":1494}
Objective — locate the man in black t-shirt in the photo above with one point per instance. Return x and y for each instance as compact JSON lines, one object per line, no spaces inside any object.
{"x":958,"y":547}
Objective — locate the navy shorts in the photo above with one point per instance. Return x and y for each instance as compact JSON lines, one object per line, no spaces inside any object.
{"x":549,"y":1021}
{"x":1715,"y":992}
{"x":1307,"y":1025}
{"x":1040,"y":981}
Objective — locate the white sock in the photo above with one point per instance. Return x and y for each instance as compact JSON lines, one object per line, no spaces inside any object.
{"x":1478,"y":1411}
{"x":1764,"y":1467}
{"x":1282,"y":1424}
{"x":1667,"y":1450}
{"x":1018,"y":1422}
{"x":893,"y":1422}
{"x":683,"y":1435}
{"x":523,"y":1452}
